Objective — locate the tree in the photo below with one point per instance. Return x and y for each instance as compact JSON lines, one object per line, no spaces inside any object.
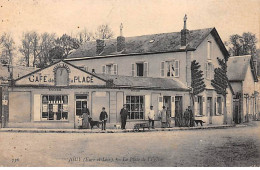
{"x":29,"y":41}
{"x":242,"y":45}
{"x":7,"y":48}
{"x":67,"y":43}
{"x":103,"y":32}
{"x":35,"y":48}
{"x":197,"y":81}
{"x":220,"y":83}
{"x":84,"y":36}
{"x":47,"y":42}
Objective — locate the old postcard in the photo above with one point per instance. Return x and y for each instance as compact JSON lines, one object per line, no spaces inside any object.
{"x":113,"y":83}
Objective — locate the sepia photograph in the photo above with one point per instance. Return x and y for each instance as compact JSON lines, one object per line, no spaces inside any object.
{"x":138,"y":83}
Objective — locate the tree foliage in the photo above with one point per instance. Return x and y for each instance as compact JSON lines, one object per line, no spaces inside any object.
{"x":104,"y":32}
{"x":7,"y":48}
{"x":244,"y":44}
{"x":84,"y":36}
{"x":220,"y":83}
{"x":197,"y":80}
{"x":67,"y":43}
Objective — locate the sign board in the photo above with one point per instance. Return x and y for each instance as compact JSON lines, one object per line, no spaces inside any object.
{"x":59,"y":75}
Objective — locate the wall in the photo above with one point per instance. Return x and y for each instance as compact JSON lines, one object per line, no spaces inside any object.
{"x":125,"y":63}
{"x":112,"y":99}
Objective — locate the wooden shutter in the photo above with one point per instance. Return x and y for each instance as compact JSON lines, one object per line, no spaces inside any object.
{"x":147,"y":106}
{"x":115,"y":69}
{"x":160,"y":104}
{"x":173,"y":106}
{"x":103,"y":69}
{"x":177,"y":68}
{"x":162,"y":69}
{"x":37,"y":107}
{"x":146,"y":69}
{"x":133,"y":69}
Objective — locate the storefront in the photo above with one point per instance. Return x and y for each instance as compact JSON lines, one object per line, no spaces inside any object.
{"x":53,"y":97}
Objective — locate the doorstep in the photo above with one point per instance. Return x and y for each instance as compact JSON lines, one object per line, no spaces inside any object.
{"x":31,"y":130}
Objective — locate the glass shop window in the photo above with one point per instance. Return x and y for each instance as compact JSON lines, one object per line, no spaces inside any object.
{"x":135,"y":107}
{"x":54,"y":107}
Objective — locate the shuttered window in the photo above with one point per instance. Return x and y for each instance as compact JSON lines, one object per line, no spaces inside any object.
{"x":162,"y":68}
{"x":115,"y":69}
{"x":177,"y":68}
{"x":146,"y":69}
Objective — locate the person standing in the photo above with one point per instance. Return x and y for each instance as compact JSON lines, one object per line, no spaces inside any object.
{"x":151,"y":116}
{"x":186,"y":117}
{"x":191,"y":117}
{"x":123,"y":114}
{"x":163,"y":117}
{"x":85,"y":117}
{"x":103,"y":118}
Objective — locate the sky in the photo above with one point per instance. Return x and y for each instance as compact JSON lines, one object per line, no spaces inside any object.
{"x":139,"y":17}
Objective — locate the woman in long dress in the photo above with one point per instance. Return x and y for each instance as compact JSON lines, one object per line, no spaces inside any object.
{"x":85,"y":117}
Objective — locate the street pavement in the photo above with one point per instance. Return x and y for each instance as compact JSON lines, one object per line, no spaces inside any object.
{"x":233,"y":146}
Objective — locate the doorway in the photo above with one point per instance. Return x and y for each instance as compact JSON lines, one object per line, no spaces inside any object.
{"x":79,"y":102}
{"x":178,"y":111}
{"x":167,"y":103}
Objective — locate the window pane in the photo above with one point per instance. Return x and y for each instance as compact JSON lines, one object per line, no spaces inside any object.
{"x":44,"y":114}
{"x":141,"y":115}
{"x":51,"y":116}
{"x":136,"y":115}
{"x":132,"y":116}
{"x":58,"y":116}
{"x":78,"y":104}
{"x":141,"y":99}
{"x":65,"y":115}
{"x":78,"y":112}
{"x":127,"y":99}
{"x":132,"y":99}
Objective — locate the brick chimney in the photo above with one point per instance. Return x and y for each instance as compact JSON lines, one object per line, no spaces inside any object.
{"x":100,"y":46}
{"x":184,"y":33}
{"x":120,"y":40}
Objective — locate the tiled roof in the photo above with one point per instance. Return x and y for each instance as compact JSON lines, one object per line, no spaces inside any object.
{"x":18,"y":71}
{"x":165,"y":42}
{"x":144,"y":82}
{"x":237,"y":67}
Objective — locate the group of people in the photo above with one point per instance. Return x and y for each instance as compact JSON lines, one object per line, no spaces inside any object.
{"x":86,"y":115}
{"x":164,"y":115}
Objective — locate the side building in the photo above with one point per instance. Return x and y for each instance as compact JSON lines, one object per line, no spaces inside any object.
{"x":243,"y":78}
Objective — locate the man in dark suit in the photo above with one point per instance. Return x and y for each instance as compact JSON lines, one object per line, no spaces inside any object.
{"x":123,"y":114}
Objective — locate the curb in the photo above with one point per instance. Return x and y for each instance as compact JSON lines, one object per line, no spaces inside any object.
{"x":113,"y":130}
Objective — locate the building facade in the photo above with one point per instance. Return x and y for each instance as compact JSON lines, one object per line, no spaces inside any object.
{"x":244,"y":82}
{"x":137,"y":71}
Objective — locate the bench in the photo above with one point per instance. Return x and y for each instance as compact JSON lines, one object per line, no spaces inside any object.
{"x":137,"y":126}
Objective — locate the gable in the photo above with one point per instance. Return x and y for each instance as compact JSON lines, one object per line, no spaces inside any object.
{"x":60,"y":74}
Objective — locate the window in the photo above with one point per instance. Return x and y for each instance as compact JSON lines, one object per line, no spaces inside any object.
{"x":135,"y":107}
{"x":170,"y":68}
{"x":219,"y":105}
{"x":200,"y":105}
{"x":209,"y":50}
{"x":110,"y":69}
{"x":141,"y":69}
{"x":209,"y":71}
{"x":54,"y":107}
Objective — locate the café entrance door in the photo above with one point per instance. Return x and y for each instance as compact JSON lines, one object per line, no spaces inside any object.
{"x":80,"y":101}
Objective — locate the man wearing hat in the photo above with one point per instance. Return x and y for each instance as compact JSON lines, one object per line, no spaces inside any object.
{"x":103,"y":118}
{"x":123,"y":114}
